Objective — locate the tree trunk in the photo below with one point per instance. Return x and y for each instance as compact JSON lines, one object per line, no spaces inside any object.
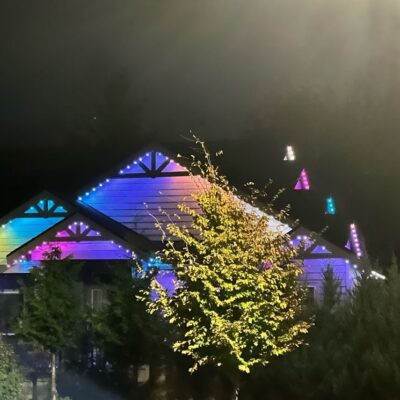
{"x":236,"y":382}
{"x":53,"y":377}
{"x":236,"y":390}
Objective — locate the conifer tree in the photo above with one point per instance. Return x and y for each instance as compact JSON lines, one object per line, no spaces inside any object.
{"x":309,"y":369}
{"x":123,"y":329}
{"x":50,"y":315}
{"x":237,"y":302}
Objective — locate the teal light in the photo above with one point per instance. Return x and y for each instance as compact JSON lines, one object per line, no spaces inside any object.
{"x":330,"y":206}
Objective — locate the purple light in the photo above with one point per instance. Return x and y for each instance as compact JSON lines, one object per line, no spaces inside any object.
{"x":355,"y":240}
{"x":303,"y":182}
{"x":79,"y":248}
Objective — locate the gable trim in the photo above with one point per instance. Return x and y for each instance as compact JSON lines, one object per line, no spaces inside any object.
{"x":20,"y":211}
{"x":51,"y":235}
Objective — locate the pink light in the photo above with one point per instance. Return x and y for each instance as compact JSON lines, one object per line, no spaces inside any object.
{"x":355,"y":241}
{"x":70,"y":248}
{"x":303,"y":182}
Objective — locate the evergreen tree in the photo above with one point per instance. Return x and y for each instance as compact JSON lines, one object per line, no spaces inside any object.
{"x":51,"y":314}
{"x":237,"y":302}
{"x":331,"y":292}
{"x":352,"y":351}
{"x":310,"y":369}
{"x":123,"y":329}
{"x":10,"y":376}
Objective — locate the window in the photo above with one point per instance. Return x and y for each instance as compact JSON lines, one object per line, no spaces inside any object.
{"x":96,"y":299}
{"x":10,"y":302}
{"x":310,"y":295}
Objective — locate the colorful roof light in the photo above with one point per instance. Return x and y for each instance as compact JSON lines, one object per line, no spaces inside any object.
{"x":330,"y":206}
{"x":290,"y":155}
{"x":354,"y":241}
{"x":78,"y":241}
{"x":150,"y":164}
{"x":303,"y":182}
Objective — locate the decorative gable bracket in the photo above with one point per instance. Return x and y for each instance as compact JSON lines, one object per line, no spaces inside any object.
{"x":152,"y":165}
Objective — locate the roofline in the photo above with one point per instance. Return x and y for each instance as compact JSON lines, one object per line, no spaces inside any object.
{"x":153,"y":146}
{"x":37,"y":239}
{"x":128,"y":235}
{"x":114,"y":171}
{"x":347,"y":254}
{"x":23,"y":207}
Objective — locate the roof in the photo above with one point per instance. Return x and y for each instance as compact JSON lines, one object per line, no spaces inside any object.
{"x":147,"y":190}
{"x":123,"y":207}
{"x":29,"y":220}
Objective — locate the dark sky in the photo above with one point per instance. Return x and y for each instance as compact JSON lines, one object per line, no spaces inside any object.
{"x":85,"y":83}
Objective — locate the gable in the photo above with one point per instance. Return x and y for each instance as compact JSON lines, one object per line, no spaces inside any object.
{"x":318,"y":250}
{"x":28,"y":221}
{"x":147,"y":189}
{"x":77,"y":238}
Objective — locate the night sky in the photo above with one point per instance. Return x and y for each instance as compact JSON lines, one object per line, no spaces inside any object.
{"x":84,"y":84}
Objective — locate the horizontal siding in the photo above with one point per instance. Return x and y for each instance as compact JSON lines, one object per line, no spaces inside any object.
{"x":20,"y":231}
{"x":134,"y":202}
{"x":314,"y":269}
{"x":85,"y":250}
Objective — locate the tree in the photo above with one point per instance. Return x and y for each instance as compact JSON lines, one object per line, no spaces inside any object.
{"x":370,"y":333}
{"x":311,"y":369}
{"x":352,"y":351}
{"x":10,"y":376}
{"x":123,"y":329}
{"x":50,"y":315}
{"x":237,"y":301}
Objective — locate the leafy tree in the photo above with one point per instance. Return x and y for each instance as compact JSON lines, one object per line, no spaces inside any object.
{"x":123,"y":329}
{"x":10,"y":376}
{"x":237,"y":302}
{"x":50,"y":315}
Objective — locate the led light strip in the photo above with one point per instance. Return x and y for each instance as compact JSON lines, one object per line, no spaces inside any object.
{"x":355,"y":240}
{"x":44,"y":243}
{"x":121,"y":172}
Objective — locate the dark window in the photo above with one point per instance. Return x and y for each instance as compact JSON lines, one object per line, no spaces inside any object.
{"x":96,"y":299}
{"x":310,"y":294}
{"x":9,"y":308}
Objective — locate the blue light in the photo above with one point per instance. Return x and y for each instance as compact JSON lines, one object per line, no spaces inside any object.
{"x":330,"y":206}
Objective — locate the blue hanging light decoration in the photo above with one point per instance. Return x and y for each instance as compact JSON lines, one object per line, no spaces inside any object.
{"x":330,"y":206}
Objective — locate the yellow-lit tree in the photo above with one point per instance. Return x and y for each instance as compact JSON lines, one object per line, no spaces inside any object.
{"x":237,"y":301}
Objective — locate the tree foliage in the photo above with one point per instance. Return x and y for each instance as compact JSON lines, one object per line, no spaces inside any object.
{"x":237,"y":302}
{"x":352,"y":350}
{"x":10,"y":376}
{"x":123,"y":329}
{"x":50,"y":318}
{"x":51,"y":314}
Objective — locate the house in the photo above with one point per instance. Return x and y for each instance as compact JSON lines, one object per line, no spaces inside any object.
{"x":114,"y":221}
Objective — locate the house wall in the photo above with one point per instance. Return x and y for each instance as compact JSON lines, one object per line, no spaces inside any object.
{"x":16,"y":233}
{"x":138,"y":202}
{"x":314,"y":269}
{"x":313,"y":275}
